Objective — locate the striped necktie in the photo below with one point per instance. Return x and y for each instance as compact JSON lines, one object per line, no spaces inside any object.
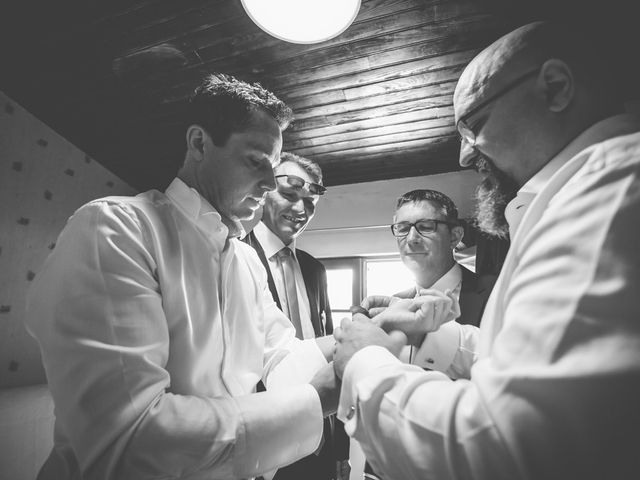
{"x":292,"y":309}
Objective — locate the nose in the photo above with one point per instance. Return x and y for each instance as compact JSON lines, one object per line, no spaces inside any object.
{"x":268,"y":181}
{"x":297,"y":205}
{"x":413,"y":234}
{"x":467,"y":154}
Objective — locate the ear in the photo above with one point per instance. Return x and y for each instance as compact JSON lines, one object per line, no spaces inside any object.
{"x":196,"y":139}
{"x":558,"y":83}
{"x":457,"y":233}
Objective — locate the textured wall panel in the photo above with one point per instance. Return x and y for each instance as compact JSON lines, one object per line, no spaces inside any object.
{"x":43,"y":180}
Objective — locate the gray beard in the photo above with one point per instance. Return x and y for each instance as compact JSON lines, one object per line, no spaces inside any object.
{"x":492,"y":196}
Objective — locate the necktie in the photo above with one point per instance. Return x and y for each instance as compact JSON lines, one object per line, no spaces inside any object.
{"x":285,"y":257}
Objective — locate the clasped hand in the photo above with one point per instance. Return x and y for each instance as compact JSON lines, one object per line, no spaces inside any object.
{"x":394,"y":322}
{"x":414,"y":317}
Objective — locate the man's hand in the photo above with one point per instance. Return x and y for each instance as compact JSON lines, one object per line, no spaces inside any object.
{"x":325,"y":344}
{"x":353,"y":335}
{"x":414,"y":317}
{"x":376,"y":304}
{"x":328,"y":387}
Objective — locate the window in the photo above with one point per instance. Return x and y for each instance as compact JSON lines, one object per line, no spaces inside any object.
{"x":386,"y":276}
{"x":350,"y":280}
{"x":344,"y":285}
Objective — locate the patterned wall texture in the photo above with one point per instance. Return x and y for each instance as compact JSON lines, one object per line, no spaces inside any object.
{"x":43,"y":180}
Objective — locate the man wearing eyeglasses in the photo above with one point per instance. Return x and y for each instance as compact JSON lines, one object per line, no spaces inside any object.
{"x":298,"y":283}
{"x":555,"y":386}
{"x":427,"y":230}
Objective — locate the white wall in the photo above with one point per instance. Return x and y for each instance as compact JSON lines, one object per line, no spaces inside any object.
{"x":43,"y":180}
{"x":353,"y":220}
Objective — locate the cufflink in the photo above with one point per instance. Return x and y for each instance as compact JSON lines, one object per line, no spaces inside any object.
{"x":358,"y":309}
{"x":351,"y":412}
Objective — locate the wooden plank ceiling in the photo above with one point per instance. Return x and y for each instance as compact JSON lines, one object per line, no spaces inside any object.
{"x":374,"y":103}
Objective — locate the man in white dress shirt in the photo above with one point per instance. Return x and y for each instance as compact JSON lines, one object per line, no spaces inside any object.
{"x":427,"y":230}
{"x":156,"y":323}
{"x":554,"y":374}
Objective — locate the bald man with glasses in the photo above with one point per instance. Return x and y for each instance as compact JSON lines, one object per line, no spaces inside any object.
{"x":554,"y":385}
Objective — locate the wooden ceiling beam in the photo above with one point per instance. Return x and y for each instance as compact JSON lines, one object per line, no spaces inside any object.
{"x":400,"y":140}
{"x":295,"y":142}
{"x":301,"y":77}
{"x":377,"y":115}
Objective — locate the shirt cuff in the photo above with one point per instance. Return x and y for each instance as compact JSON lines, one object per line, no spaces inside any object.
{"x":303,"y":359}
{"x":292,"y":429}
{"x":439,"y":348}
{"x":363,"y":363}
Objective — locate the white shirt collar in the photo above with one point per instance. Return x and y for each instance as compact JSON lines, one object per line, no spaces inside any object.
{"x":598,"y":132}
{"x":196,"y":207}
{"x":270,"y":242}
{"x":448,"y":281}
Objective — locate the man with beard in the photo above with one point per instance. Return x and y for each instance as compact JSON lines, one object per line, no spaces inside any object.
{"x":492,"y":197}
{"x":555,"y":385}
{"x":298,"y":283}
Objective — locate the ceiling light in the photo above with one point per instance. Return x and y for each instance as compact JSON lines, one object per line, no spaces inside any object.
{"x":302,"y":21}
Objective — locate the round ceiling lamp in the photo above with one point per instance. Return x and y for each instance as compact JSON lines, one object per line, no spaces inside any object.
{"x":302,"y":21}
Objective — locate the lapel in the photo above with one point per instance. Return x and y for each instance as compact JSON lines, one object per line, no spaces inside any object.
{"x":311,"y":282}
{"x":253,"y":242}
{"x":473,"y":297}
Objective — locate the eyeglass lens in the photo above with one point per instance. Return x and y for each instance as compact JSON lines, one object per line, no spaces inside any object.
{"x":299,"y":183}
{"x":464,"y":129}
{"x":422,"y":226}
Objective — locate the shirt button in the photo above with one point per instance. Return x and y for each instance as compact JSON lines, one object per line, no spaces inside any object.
{"x":351,"y":413}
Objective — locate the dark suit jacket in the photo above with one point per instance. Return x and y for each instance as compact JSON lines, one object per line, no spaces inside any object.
{"x":336,"y":441}
{"x":315,"y":280}
{"x":474,"y":294}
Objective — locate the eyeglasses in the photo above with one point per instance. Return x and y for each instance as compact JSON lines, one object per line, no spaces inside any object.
{"x":423,"y":227}
{"x":299,"y":183}
{"x":465,"y":125}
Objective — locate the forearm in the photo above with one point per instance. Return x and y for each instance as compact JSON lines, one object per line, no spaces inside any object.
{"x":224,"y":437}
{"x":411,"y":423}
{"x":327,"y":386}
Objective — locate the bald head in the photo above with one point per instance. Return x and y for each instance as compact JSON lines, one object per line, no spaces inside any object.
{"x":497,"y":65}
{"x":527,"y":95}
{"x":528,"y":48}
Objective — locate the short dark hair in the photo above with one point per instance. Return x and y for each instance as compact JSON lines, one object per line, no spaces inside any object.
{"x":309,"y":166}
{"x":222,"y":104}
{"x":444,"y":203}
